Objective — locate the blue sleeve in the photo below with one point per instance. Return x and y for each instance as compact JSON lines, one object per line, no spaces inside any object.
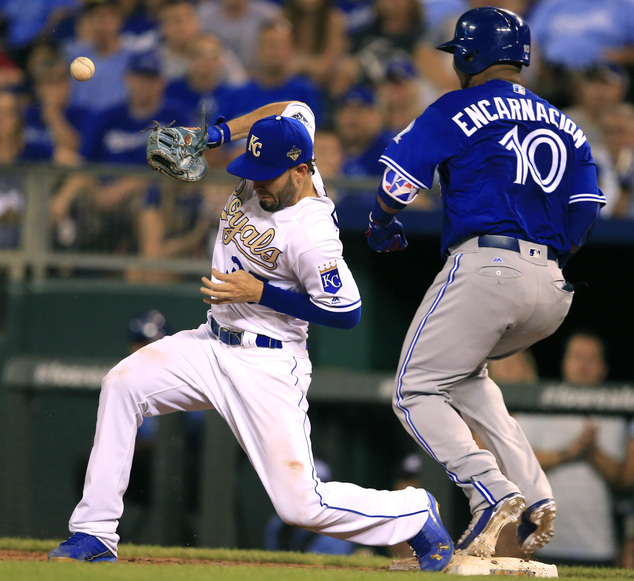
{"x":582,"y":217}
{"x":425,"y":143}
{"x":378,"y":214}
{"x":585,"y":186}
{"x":300,"y":306}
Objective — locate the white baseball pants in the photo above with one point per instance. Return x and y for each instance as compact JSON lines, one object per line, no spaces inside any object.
{"x":261,"y":394}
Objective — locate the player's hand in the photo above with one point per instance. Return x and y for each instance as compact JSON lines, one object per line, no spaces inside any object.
{"x":386,"y":237}
{"x":236,"y":287}
{"x":584,"y":443}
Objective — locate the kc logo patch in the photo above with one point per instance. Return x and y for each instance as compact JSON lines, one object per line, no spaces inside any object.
{"x":330,"y":279}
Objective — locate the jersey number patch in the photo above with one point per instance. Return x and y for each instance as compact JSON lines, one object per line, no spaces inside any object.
{"x":526,"y":150}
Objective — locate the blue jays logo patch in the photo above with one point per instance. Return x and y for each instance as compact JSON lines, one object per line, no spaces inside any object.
{"x":398,"y":187}
{"x":330,"y":279}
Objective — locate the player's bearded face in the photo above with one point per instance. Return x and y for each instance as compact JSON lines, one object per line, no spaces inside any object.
{"x":275,"y":197}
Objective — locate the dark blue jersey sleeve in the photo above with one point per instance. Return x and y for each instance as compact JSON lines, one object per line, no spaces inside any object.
{"x":417,"y":150}
{"x":584,"y":185}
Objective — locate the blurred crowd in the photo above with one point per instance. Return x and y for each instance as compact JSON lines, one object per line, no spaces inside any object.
{"x":366,"y":67}
{"x":588,"y":458}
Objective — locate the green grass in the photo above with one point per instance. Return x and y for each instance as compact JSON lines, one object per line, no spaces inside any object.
{"x":230,"y":565}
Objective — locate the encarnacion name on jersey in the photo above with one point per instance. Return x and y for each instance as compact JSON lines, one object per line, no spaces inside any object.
{"x":480,"y":114}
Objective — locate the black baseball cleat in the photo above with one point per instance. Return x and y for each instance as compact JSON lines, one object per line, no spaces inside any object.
{"x":432,"y":545}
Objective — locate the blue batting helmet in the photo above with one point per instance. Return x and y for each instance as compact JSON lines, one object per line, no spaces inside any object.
{"x":485,"y":36}
{"x":147,"y":327}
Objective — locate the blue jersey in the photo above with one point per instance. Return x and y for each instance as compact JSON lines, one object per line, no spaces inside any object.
{"x":509,"y":163}
{"x":38,"y":140}
{"x":251,"y":95}
{"x":181,"y":94}
{"x":366,"y":163}
{"x":116,"y":136}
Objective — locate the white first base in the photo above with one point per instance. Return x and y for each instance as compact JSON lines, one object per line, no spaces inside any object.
{"x":467,"y":565}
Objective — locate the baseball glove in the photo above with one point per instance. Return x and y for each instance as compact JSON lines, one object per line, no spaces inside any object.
{"x":177,"y":152}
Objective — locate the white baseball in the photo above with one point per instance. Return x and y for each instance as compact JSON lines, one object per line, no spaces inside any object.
{"x":82,"y":68}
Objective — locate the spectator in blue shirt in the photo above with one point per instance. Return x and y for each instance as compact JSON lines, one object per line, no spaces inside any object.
{"x":204,"y":80}
{"x":100,"y":23}
{"x":52,"y":126}
{"x":237,"y":23}
{"x":115,"y":137}
{"x":12,"y":195}
{"x":358,"y":13}
{"x":360,"y":126}
{"x":27,"y":20}
{"x":274,"y":80}
{"x":575,"y":34}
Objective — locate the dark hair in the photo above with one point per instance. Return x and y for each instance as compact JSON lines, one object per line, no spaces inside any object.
{"x":294,"y":13}
{"x":90,"y":5}
{"x":311,"y":165}
{"x":173,"y":3}
{"x":590,"y":334}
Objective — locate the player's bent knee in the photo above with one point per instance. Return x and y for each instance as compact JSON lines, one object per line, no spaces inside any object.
{"x":119,"y":382}
{"x":302,"y":516}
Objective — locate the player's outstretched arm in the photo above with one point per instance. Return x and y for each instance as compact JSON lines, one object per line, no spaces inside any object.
{"x":178,"y":152}
{"x":240,"y":126}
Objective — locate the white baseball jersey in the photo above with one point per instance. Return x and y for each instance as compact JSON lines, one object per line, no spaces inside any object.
{"x":252,"y":239}
{"x":260,"y":392}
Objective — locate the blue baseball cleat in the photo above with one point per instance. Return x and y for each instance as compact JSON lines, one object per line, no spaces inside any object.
{"x":537,"y":525}
{"x":82,"y":547}
{"x":432,"y":544}
{"x":482,"y":535}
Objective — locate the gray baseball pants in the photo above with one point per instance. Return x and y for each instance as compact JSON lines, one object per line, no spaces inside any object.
{"x":486,"y":303}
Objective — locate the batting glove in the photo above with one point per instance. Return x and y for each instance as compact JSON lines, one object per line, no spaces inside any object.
{"x":386,"y":237}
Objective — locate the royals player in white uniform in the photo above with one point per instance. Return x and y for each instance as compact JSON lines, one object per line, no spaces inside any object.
{"x":277,"y":265}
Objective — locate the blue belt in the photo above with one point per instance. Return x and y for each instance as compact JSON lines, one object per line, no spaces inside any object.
{"x":508,"y":243}
{"x":231,"y":337}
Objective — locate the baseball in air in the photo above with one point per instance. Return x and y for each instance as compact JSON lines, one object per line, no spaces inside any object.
{"x":82,"y":68}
